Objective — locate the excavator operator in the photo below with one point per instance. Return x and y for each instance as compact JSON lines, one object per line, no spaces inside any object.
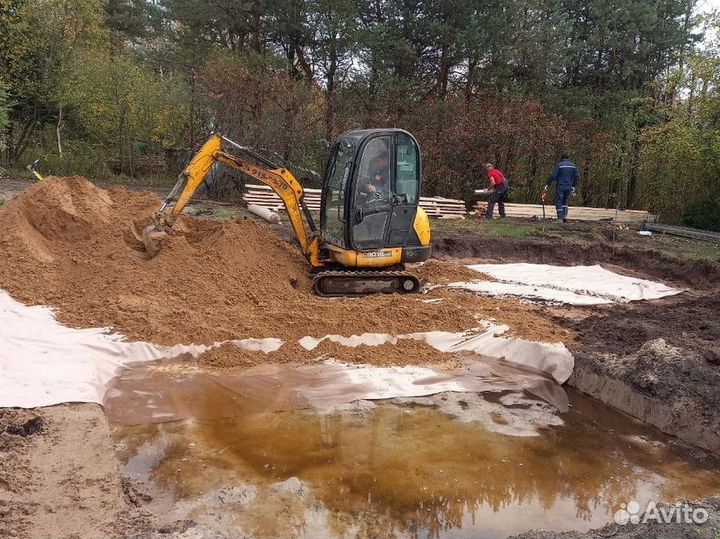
{"x":377,"y":187}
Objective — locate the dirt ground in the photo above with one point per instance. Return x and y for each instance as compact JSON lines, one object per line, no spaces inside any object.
{"x":646,"y":530}
{"x":676,"y":261}
{"x":658,"y":361}
{"x":59,"y":476}
{"x":655,"y":360}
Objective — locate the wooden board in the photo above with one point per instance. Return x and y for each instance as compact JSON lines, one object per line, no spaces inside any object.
{"x":436,"y":207}
{"x":579,"y":213}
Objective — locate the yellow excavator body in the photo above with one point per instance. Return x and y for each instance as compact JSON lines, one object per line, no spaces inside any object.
{"x":371,"y":223}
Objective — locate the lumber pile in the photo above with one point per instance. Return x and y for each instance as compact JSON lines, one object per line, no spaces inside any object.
{"x":443,"y":208}
{"x":451,"y":208}
{"x":578,"y":213}
{"x":264,"y":196}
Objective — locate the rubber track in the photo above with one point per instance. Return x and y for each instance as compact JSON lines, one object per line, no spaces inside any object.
{"x":365,"y":275}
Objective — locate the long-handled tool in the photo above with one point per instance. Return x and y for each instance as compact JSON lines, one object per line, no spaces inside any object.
{"x":33,"y":170}
{"x":543,"y":199}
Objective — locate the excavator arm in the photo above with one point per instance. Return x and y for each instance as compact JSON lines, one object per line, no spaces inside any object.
{"x":280,"y":180}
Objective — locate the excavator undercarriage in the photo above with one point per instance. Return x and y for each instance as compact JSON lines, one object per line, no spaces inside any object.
{"x":363,"y":282}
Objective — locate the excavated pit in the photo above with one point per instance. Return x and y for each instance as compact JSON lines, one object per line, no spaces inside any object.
{"x":564,"y":251}
{"x":420,"y":466}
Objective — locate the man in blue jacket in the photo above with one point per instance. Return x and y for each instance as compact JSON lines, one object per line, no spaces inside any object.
{"x":566,"y":175}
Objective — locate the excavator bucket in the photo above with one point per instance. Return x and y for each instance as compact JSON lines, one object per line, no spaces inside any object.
{"x":153,"y":237}
{"x":148,"y":239}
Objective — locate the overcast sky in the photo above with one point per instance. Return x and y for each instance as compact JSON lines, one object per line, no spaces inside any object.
{"x":709,"y":5}
{"x":706,"y":6}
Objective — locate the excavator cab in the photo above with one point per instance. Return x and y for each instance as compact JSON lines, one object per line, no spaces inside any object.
{"x":370,"y":200}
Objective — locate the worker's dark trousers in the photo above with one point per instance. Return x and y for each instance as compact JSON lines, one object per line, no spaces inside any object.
{"x":561,"y":204}
{"x":499,"y":197}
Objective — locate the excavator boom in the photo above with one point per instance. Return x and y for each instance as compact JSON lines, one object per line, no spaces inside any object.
{"x":280,"y":180}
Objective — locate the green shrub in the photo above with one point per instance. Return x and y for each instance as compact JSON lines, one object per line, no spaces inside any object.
{"x":704,"y":214}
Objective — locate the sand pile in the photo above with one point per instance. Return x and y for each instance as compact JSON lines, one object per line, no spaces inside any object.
{"x":444,"y":272}
{"x":228,"y":355}
{"x":66,"y":243}
{"x":404,"y":352}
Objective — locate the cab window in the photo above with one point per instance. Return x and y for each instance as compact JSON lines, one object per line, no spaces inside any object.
{"x":374,"y":175}
{"x":407,"y":174}
{"x":333,"y":218}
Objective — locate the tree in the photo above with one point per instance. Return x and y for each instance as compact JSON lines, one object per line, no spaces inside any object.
{"x":41,"y":36}
{"x":115,"y":103}
{"x":335,"y":45}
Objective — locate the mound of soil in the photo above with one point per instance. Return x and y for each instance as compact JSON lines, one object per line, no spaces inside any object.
{"x":444,"y":272}
{"x":404,"y":352}
{"x":657,"y":362}
{"x":228,"y":355}
{"x":67,"y":243}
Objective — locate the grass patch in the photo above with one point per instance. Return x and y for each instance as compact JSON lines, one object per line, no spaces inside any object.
{"x":504,"y":228}
{"x":709,"y":252}
{"x":225,"y":214}
{"x":686,"y":248}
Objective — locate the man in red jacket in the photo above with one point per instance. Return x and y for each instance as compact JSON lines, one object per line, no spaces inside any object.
{"x":499,"y":185}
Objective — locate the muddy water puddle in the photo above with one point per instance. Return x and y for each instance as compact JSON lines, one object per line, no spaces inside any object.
{"x":481,"y":463}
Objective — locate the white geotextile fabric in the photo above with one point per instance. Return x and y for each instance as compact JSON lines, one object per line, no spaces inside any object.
{"x":43,"y":362}
{"x":577,"y":285}
{"x":551,"y":358}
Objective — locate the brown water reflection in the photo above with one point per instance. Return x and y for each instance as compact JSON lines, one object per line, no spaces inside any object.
{"x":402,"y":469}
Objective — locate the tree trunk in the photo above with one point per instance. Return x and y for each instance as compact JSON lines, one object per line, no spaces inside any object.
{"x":469,"y":83}
{"x":444,"y":71}
{"x":304,"y":65}
{"x":58,"y":128}
{"x":17,"y":147}
{"x":634,"y":165}
{"x":330,"y":99}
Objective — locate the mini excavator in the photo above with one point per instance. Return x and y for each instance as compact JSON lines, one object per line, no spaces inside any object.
{"x":370,"y":220}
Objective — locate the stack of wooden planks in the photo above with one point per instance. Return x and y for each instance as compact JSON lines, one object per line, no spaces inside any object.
{"x":443,"y":208}
{"x":451,"y":208}
{"x":264,"y":196}
{"x":577,"y":213}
